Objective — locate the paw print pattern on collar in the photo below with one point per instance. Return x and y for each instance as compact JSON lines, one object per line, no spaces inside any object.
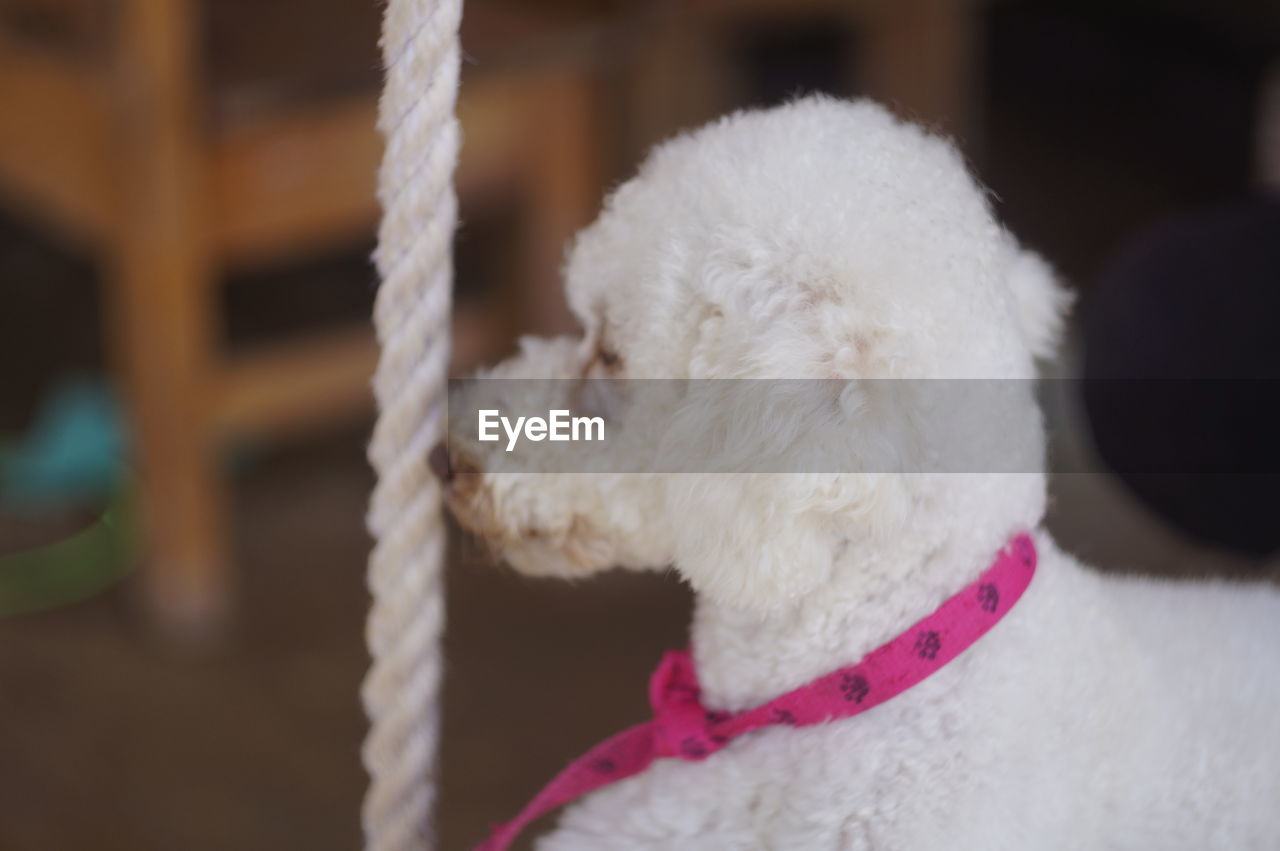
{"x":683,"y":728}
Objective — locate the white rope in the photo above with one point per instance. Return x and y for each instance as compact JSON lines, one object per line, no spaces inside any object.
{"x":419,"y":210}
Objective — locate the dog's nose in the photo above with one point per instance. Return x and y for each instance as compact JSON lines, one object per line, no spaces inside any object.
{"x":438,"y":460}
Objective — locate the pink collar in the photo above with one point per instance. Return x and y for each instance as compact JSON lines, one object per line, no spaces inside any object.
{"x":683,"y":728}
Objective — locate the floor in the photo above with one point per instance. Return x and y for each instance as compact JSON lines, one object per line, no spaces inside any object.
{"x":110,"y":741}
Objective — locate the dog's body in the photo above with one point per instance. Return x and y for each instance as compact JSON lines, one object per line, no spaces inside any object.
{"x":1100,"y":713}
{"x":825,"y":240}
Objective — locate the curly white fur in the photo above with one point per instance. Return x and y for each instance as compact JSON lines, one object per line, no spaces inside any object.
{"x":824,"y":239}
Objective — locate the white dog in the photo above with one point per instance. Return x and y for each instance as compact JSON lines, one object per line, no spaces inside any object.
{"x":824,"y":239}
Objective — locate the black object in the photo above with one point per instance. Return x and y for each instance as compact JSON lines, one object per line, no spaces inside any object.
{"x":1182,"y":373}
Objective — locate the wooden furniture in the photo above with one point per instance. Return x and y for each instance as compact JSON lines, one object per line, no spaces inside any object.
{"x":118,"y":146}
{"x":117,"y":152}
{"x":917,"y":56}
{"x":127,"y":142}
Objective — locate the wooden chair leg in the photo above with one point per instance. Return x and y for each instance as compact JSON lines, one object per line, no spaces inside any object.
{"x":919,"y":57}
{"x":562,"y":186}
{"x":162,"y":315}
{"x":679,"y":77}
{"x":164,"y":363}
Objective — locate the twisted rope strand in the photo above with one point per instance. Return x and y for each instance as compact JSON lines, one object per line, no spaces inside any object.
{"x":411,"y":315}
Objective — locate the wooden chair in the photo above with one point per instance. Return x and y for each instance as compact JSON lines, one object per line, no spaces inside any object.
{"x":129,"y":145}
{"x":917,"y":56}
{"x":117,"y":146}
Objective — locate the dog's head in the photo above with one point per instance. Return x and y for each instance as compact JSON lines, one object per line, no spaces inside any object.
{"x":818,"y":240}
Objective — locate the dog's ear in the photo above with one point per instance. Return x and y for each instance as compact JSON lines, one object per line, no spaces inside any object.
{"x":1040,"y":301}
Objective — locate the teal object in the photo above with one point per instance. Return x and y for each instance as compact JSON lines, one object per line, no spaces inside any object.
{"x":73,"y":456}
{"x":73,"y":453}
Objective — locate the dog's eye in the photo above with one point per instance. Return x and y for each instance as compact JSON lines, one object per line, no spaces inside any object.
{"x":609,"y":359}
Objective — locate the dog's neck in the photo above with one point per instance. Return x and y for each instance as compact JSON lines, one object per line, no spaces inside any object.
{"x":745,"y":659}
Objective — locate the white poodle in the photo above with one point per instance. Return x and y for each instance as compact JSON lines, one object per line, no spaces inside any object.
{"x":826,"y":240}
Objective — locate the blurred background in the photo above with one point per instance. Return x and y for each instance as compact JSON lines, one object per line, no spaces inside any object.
{"x":186,"y":217}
